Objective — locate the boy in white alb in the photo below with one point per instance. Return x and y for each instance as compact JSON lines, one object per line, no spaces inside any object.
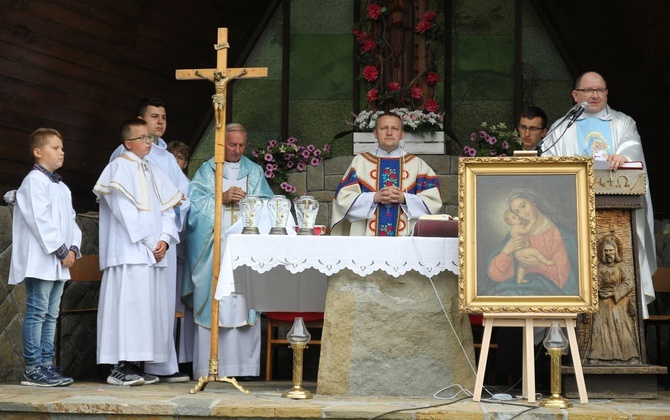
{"x":46,"y":241}
{"x":136,"y":228}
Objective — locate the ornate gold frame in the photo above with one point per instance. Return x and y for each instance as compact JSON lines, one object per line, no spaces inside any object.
{"x":577,"y":175}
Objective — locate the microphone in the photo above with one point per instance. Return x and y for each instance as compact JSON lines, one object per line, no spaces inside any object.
{"x":577,"y":111}
{"x":574,"y":113}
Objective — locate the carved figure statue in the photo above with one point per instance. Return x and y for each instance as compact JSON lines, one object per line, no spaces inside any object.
{"x":219,"y":98}
{"x":614,"y":337}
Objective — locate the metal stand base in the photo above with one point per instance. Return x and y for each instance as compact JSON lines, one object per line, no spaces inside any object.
{"x":203,"y":381}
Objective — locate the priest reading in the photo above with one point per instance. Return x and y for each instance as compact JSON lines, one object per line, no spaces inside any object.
{"x":384,"y":192}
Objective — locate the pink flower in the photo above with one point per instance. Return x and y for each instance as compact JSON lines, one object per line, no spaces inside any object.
{"x":268,"y":157}
{"x":311,"y":147}
{"x":315,"y":161}
{"x":291,"y":141}
{"x":429,"y":15}
{"x":432,"y":78}
{"x":290,"y":164}
{"x":305,"y":154}
{"x":505,"y":145}
{"x":394,"y":86}
{"x":492,"y":152}
{"x":269,"y":174}
{"x":423,"y":27}
{"x":255,"y":153}
{"x":370,"y":73}
{"x":432,"y":105}
{"x":473,"y":137}
{"x":326,"y":148}
{"x":372,"y":95}
{"x":317,"y":152}
{"x":273,"y":143}
{"x":374,"y":11}
{"x":300,"y":167}
{"x":417,"y":92}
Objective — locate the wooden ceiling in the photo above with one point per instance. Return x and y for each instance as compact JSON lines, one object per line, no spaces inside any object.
{"x":83,"y":66}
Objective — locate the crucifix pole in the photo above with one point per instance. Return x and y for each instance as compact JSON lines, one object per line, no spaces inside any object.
{"x":220,"y":77}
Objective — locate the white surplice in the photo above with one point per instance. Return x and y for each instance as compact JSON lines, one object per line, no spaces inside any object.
{"x":44,"y":220}
{"x":165,"y":161}
{"x":136,"y":212}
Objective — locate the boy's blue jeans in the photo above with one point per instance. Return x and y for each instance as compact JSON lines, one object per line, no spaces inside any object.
{"x":39,"y":325}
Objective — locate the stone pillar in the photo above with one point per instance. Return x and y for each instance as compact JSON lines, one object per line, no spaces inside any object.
{"x":389,"y":336}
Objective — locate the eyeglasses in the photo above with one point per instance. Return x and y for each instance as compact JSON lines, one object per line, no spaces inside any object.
{"x":599,"y":91}
{"x":531,"y":129}
{"x":145,"y":139}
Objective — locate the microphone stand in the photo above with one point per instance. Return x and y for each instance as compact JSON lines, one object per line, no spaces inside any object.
{"x":570,"y":114}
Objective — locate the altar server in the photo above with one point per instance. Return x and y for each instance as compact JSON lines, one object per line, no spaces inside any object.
{"x":46,"y":244}
{"x":137,"y":225}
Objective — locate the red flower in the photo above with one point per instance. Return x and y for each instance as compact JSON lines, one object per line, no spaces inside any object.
{"x":360,"y":35}
{"x":370,"y":73}
{"x":374,"y":11}
{"x":417,"y":93}
{"x":423,"y":27}
{"x":368,"y":45}
{"x":372,"y":95}
{"x":429,"y":15}
{"x":394,"y":86}
{"x":432,"y":78}
{"x":432,"y":105}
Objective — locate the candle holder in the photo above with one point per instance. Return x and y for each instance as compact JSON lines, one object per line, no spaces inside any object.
{"x":250,"y":206}
{"x":280,"y":208}
{"x":298,"y":337}
{"x":555,"y":343}
{"x":306,"y":208}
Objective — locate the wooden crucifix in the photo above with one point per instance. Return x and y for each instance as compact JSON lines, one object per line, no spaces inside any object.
{"x":220,"y":76}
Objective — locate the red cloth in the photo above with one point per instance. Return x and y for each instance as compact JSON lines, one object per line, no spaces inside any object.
{"x":291,"y":316}
{"x":476,"y":319}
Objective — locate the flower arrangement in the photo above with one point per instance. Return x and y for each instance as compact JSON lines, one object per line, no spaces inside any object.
{"x":492,"y":140}
{"x":380,"y":34}
{"x":280,"y":157}
{"x":412,"y":120}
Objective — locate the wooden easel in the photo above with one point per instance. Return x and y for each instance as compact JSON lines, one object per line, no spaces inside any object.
{"x":528,"y":322}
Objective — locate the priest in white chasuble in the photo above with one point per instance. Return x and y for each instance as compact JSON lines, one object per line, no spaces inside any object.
{"x":239,"y":332}
{"x":604,"y":133}
{"x":137,"y":225}
{"x":383,"y":193}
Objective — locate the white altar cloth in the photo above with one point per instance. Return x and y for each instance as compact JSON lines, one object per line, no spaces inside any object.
{"x":330,"y":254}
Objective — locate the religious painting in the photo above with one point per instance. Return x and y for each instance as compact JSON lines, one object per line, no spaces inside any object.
{"x":527,"y":235}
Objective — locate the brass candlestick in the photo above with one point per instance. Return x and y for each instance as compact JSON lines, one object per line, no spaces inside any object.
{"x":555,"y":343}
{"x":298,"y":337}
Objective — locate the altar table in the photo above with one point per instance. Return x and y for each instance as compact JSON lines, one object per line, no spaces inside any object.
{"x":322,"y":256}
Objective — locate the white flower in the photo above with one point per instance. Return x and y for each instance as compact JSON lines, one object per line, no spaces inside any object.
{"x":413,"y":120}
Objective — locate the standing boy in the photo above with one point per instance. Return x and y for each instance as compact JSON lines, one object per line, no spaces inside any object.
{"x":46,"y":244}
{"x":136,"y":228}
